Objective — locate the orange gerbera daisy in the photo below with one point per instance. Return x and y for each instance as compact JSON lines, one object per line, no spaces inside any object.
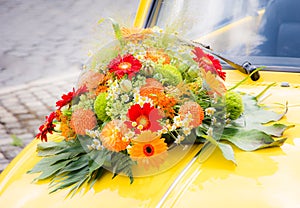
{"x":112,"y":136}
{"x":149,"y":150}
{"x":195,"y":110}
{"x":158,"y":55}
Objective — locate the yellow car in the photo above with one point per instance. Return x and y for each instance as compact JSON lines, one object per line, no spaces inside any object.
{"x":236,"y":32}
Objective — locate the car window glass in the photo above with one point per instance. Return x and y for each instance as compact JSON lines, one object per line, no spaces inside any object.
{"x":237,"y":27}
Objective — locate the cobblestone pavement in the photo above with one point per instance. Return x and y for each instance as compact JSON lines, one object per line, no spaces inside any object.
{"x":42,"y":47}
{"x":23,"y":110}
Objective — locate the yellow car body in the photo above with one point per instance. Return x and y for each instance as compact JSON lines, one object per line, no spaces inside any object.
{"x":264,"y":178}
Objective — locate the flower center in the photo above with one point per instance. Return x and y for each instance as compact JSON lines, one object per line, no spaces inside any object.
{"x":207,"y":60}
{"x":124,"y":65}
{"x":148,"y":150}
{"x":144,"y":121}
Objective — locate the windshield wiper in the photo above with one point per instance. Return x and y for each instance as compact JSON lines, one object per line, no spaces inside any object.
{"x":246,"y":67}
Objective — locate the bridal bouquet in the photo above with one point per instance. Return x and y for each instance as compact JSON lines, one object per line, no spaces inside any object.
{"x":140,"y":104}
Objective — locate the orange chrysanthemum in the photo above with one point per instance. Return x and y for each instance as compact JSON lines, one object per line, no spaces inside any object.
{"x":196,"y":111}
{"x":66,"y":130}
{"x":149,"y":150}
{"x":158,"y":55}
{"x":112,"y":136}
{"x":135,"y":34}
{"x":82,"y":120}
{"x":160,"y":99}
{"x":91,"y":79}
{"x":103,"y":87}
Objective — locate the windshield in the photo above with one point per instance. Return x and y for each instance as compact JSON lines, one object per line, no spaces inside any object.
{"x":239,"y":28}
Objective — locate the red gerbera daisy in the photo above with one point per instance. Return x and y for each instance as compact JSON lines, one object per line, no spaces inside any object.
{"x":47,"y":127}
{"x":144,"y":118}
{"x":208,"y":62}
{"x":67,"y":98}
{"x":125,"y":65}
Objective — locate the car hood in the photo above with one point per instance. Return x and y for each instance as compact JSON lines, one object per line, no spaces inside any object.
{"x":264,"y":178}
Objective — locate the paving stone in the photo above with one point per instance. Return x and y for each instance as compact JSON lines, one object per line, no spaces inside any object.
{"x":3,"y":164}
{"x":18,"y":109}
{"x":34,"y":123}
{"x":8,"y":118}
{"x":15,"y":107}
{"x":2,"y":130}
{"x":11,"y":100}
{"x":2,"y":157}
{"x":10,"y":151}
{"x":25,"y":117}
{"x":29,"y":100}
{"x":10,"y":126}
{"x":25,"y":136}
{"x":5,"y":140}
{"x":18,"y":131}
{"x":25,"y":98}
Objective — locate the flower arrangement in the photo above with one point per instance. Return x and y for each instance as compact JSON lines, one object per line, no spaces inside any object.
{"x":141,"y":103}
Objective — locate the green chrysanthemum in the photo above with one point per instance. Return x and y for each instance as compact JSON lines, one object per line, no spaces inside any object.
{"x":100,"y":105}
{"x":234,"y":104}
{"x":171,"y":74}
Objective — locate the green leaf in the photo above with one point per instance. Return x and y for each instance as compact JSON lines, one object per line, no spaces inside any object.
{"x":68,"y":180}
{"x":40,"y":166}
{"x":117,"y":31}
{"x":249,"y":132}
{"x":57,"y":148}
{"x":245,"y":79}
{"x":48,"y":161}
{"x":51,"y":170}
{"x":254,"y":115}
{"x":97,"y":159}
{"x":227,"y":152}
{"x":77,"y":164}
{"x":250,"y":140}
{"x":96,"y":175}
{"x":50,"y":148}
{"x":122,"y":163}
{"x":100,"y":21}
{"x":67,"y":164}
{"x":276,"y":129}
{"x":78,"y":185}
{"x":276,"y":143}
{"x":16,"y":141}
